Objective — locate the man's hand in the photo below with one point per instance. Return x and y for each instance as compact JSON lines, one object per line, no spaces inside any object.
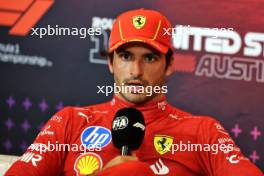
{"x":120,"y":159}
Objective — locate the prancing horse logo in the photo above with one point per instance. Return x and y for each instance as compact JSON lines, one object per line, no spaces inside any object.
{"x":162,"y":143}
{"x":139,"y":21}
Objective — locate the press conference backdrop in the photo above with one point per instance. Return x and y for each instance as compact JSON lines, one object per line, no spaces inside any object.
{"x":219,"y":63}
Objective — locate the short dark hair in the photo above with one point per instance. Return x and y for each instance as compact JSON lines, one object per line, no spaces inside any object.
{"x":168,"y":57}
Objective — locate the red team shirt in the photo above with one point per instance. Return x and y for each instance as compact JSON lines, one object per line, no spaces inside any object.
{"x":166,"y":127}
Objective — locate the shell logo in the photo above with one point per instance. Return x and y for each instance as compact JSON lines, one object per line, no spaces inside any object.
{"x":88,"y":164}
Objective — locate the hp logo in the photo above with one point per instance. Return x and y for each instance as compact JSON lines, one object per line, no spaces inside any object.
{"x":96,"y":136}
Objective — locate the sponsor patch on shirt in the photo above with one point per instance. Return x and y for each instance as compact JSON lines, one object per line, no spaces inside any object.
{"x":159,"y":168}
{"x":32,"y":158}
{"x":87,"y":164}
{"x":96,"y":136}
{"x":46,"y":131}
{"x":162,"y":143}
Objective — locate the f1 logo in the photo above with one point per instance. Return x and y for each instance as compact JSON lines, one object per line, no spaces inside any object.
{"x":96,"y":136}
{"x":22,"y":15}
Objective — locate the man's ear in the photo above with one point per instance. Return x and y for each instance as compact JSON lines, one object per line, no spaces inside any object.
{"x":170,"y":68}
{"x":110,"y":64}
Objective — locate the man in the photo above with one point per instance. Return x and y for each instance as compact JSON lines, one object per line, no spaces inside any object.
{"x":139,"y":56}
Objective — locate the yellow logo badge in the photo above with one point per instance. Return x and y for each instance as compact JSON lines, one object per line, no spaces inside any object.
{"x":139,"y":21}
{"x":162,"y":143}
{"x":87,"y":164}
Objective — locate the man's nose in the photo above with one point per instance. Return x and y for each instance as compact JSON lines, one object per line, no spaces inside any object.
{"x":136,"y":69}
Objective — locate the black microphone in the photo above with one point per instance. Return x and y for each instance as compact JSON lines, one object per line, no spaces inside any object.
{"x":128,"y":130}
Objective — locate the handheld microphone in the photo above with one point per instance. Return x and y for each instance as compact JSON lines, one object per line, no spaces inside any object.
{"x":128,"y":130}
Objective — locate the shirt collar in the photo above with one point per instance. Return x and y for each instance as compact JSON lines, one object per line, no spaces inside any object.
{"x":151,"y":110}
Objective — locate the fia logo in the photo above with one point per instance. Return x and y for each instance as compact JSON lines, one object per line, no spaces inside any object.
{"x":96,"y":136}
{"x":120,"y":123}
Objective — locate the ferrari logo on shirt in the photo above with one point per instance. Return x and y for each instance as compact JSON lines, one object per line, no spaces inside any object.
{"x":162,"y":143}
{"x":139,"y":21}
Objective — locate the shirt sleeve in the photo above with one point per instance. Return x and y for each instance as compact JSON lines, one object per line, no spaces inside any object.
{"x":130,"y":168}
{"x":222,"y":156}
{"x":43,"y":157}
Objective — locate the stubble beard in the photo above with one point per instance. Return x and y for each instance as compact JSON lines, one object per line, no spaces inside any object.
{"x":138,"y":98}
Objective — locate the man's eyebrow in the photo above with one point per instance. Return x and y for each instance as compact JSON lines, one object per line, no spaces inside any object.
{"x":121,"y":50}
{"x":153,"y":53}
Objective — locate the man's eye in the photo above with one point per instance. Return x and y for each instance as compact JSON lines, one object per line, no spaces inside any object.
{"x":151,"y":58}
{"x":125,"y":56}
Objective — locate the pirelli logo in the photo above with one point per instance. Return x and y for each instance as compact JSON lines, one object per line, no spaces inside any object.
{"x":22,"y":15}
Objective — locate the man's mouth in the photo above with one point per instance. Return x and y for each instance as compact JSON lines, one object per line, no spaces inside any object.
{"x":135,"y":87}
{"x":135,"y":83}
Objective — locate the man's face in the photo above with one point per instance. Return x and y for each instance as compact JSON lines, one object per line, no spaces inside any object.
{"x":138,"y":65}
